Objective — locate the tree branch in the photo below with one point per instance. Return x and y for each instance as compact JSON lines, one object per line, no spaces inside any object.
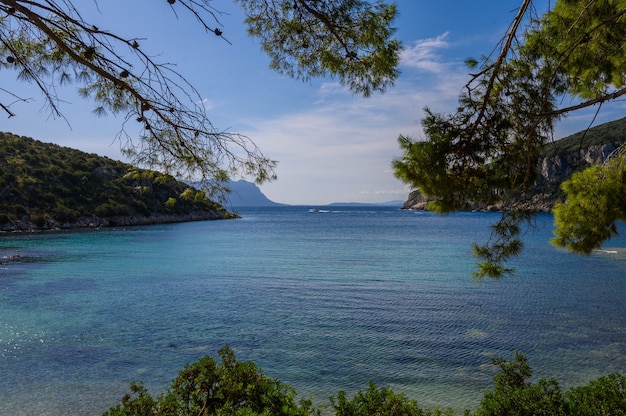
{"x":585,"y":104}
{"x":500,"y":60}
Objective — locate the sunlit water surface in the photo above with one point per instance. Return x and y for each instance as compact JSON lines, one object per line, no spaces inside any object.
{"x":325,"y":301}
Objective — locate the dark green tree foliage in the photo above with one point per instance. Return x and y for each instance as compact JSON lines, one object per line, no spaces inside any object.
{"x":605,"y":396}
{"x":350,"y":39}
{"x":376,"y":401}
{"x":486,"y":152}
{"x":209,"y":387}
{"x":514,"y":395}
{"x":596,"y":201}
{"x":590,"y":56}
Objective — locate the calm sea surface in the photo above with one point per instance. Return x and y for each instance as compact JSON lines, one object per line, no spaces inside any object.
{"x":324,"y":301}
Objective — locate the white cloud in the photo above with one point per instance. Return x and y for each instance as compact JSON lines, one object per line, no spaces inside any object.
{"x":423,"y":54}
{"x":341,"y":148}
{"x":207,"y":104}
{"x":399,"y":192}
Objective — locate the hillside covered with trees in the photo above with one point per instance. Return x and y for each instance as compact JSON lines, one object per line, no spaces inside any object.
{"x":46,"y":186}
{"x":612,"y":133}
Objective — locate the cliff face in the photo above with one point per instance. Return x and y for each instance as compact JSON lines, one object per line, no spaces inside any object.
{"x":560,"y":167}
{"x":554,"y":170}
{"x":415,"y":201}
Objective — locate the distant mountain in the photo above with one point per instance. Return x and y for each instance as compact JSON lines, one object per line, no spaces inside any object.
{"x":243,"y":194}
{"x":397,"y":203}
{"x":247,"y":194}
{"x":44,"y":186}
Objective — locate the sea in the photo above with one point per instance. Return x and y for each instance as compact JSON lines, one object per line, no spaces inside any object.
{"x":325,"y":300}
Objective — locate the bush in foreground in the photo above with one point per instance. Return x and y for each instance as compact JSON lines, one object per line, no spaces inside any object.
{"x":514,"y":395}
{"x":379,"y":401}
{"x":238,"y":388}
{"x":208,"y":387}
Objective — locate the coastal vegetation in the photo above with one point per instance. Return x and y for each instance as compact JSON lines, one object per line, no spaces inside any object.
{"x":45,"y":186}
{"x":231,"y":387}
{"x":612,"y":133}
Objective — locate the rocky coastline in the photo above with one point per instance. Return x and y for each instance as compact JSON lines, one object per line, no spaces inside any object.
{"x":538,"y":203}
{"x":553,"y":170}
{"x":25,"y":224}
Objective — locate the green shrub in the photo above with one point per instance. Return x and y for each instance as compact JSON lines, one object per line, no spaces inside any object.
{"x":377,"y":401}
{"x":605,"y":396}
{"x":170,"y":204}
{"x":64,"y":213}
{"x":513,"y":395}
{"x":111,"y":209}
{"x":142,"y":207}
{"x":168,"y":180}
{"x":208,"y":387}
{"x":38,"y":219}
{"x":18,"y":209}
{"x":8,"y":179}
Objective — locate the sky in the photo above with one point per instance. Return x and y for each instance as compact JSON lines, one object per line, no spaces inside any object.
{"x":331,"y":146}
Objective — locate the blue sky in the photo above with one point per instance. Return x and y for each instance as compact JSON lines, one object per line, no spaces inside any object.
{"x":331,"y":145}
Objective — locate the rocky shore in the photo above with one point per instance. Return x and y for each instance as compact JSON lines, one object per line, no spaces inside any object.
{"x":26,"y":225}
{"x":553,"y":170}
{"x":538,"y":203}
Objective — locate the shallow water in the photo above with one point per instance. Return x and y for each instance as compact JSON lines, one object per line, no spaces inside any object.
{"x":324,"y":301}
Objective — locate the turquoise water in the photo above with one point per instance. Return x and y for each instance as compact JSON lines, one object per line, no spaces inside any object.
{"x":324,"y":301}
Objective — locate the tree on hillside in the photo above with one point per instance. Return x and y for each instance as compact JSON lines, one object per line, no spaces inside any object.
{"x":487,"y":150}
{"x":48,"y":44}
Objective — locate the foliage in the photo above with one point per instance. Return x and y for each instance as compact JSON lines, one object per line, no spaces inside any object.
{"x":612,"y":133}
{"x":503,"y":244}
{"x":590,"y":56}
{"x":605,"y":396}
{"x":378,"y":401}
{"x":49,"y":43}
{"x":208,"y":387}
{"x":513,"y":395}
{"x":349,"y":39}
{"x":47,"y":182}
{"x":136,"y":403}
{"x":486,"y":151}
{"x":596,"y":200}
{"x":232,"y":387}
